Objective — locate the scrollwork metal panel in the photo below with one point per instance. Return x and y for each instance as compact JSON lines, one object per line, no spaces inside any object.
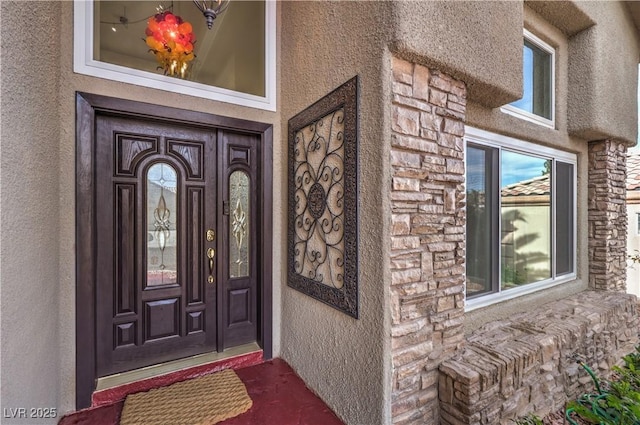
{"x":323,"y":229}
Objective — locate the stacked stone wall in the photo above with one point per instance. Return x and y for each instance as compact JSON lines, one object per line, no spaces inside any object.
{"x":428,"y":232}
{"x":528,"y":363}
{"x":607,"y":215}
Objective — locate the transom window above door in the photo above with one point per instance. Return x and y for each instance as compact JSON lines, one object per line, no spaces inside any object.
{"x":538,"y":74}
{"x":233,"y":62}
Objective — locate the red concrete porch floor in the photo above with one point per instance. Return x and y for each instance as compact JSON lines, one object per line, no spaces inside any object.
{"x":279,"y":397}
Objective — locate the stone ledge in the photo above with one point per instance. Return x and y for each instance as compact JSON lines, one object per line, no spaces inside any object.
{"x":526,"y":364}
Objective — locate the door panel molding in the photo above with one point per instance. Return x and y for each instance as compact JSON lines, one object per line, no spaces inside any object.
{"x":132,"y":154}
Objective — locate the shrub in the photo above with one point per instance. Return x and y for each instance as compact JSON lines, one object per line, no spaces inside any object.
{"x":615,"y":402}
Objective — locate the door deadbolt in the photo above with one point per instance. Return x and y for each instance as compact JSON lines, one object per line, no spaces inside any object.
{"x":211,"y":235}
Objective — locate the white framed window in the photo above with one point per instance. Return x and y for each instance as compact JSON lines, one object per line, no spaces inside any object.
{"x":538,"y":100}
{"x":521,"y":217}
{"x":222,"y":70}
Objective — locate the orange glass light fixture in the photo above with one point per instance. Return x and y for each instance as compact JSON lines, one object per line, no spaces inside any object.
{"x":171,"y":39}
{"x":211,"y":9}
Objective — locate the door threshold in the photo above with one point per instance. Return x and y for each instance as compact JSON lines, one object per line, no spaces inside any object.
{"x":115,"y":387}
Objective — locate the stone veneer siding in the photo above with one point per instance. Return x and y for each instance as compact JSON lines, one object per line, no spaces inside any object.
{"x":527,"y":363}
{"x":607,"y":215}
{"x":427,"y":236}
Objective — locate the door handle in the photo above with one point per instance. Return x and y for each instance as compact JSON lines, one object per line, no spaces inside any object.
{"x":210,"y":254}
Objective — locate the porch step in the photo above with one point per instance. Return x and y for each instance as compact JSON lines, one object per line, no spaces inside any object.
{"x":111,"y":395}
{"x":279,"y":397}
{"x":108,"y":402}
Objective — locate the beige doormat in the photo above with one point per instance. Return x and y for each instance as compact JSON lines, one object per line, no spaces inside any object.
{"x":206,"y":400}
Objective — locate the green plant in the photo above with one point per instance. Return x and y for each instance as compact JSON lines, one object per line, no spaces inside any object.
{"x":615,"y":402}
{"x":633,"y":359}
{"x":511,"y":276}
{"x":530,"y":419}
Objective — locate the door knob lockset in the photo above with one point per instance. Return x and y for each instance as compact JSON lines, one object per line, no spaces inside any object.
{"x":210,"y":254}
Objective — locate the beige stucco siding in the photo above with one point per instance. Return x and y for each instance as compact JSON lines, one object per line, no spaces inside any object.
{"x":479,"y":43}
{"x":603,"y":75}
{"x":30,"y":217}
{"x":341,"y":358}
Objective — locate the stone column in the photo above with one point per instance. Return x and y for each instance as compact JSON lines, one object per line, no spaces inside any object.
{"x":607,"y":215}
{"x":428,"y":231}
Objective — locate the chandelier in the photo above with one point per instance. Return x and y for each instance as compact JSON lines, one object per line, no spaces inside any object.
{"x":171,"y":39}
{"x":211,"y":9}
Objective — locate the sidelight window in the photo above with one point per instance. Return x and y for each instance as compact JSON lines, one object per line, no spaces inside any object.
{"x":239,"y":224}
{"x":520,"y":217}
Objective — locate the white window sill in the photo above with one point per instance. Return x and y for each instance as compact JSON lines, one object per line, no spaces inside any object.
{"x":490,"y":299}
{"x":527,"y":116}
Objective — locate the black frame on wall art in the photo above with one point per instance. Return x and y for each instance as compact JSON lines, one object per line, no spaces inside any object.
{"x":323,"y":198}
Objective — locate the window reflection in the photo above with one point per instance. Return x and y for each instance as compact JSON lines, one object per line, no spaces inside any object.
{"x":525,"y":219}
{"x":537,"y":81}
{"x":479,"y":213}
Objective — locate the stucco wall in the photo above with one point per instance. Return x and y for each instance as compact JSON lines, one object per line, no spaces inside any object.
{"x":493,"y":119}
{"x":341,"y":358}
{"x":479,"y":43}
{"x":30,"y":216}
{"x":603,"y":75}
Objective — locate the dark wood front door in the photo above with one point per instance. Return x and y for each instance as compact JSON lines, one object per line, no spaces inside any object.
{"x":151,"y":181}
{"x":176,"y":251}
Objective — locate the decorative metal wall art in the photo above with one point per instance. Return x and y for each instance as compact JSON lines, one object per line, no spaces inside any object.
{"x":323,"y":217}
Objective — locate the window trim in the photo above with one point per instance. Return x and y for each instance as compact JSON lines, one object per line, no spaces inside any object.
{"x":83,"y":63}
{"x":528,"y":116}
{"x":498,"y":141}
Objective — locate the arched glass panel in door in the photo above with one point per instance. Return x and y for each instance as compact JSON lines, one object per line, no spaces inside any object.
{"x":162,"y":233}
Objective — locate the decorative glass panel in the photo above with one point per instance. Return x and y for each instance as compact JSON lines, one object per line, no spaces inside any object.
{"x":162,"y":232}
{"x":526,"y":219}
{"x":239,"y":224}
